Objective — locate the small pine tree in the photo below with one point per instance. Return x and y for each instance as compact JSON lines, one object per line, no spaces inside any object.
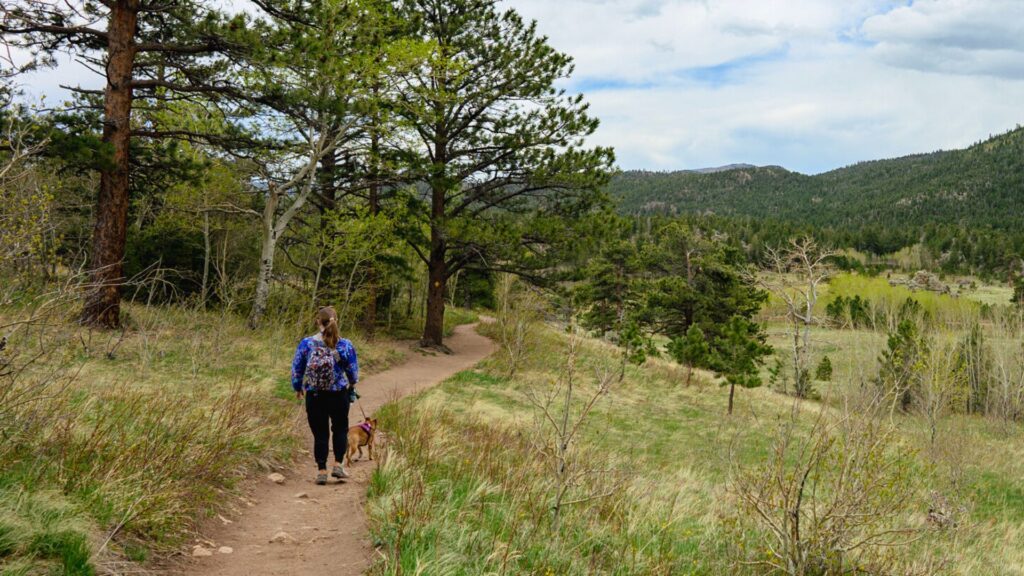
{"x":900,"y":366}
{"x":1018,"y":291}
{"x":836,"y":311}
{"x":777,"y":376}
{"x":860,"y":315}
{"x":824,"y":371}
{"x":692,"y":350}
{"x":739,"y":353}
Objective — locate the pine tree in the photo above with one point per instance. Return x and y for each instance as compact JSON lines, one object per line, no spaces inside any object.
{"x":824,"y":370}
{"x":490,"y":137}
{"x":148,"y":51}
{"x":692,"y":350}
{"x":739,"y":353}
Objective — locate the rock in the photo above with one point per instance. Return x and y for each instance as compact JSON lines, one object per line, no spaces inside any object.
{"x":924,"y":280}
{"x":276,"y":478}
{"x":282,"y":538}
{"x":302,"y":495}
{"x":225,"y":550}
{"x":200,"y":552}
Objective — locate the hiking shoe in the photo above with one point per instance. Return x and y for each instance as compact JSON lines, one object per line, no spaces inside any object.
{"x":339,"y":473}
{"x":321,"y":478}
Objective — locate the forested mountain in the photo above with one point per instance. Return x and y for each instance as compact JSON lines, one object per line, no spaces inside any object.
{"x":879,"y":206}
{"x":980,"y":186}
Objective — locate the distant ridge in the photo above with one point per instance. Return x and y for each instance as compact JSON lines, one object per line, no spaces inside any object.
{"x":725,"y":168}
{"x":980,"y":186}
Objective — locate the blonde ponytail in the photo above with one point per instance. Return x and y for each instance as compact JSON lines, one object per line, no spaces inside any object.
{"x":327,"y":319}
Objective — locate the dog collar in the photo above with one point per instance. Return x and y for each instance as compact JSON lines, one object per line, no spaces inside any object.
{"x":366,"y":427}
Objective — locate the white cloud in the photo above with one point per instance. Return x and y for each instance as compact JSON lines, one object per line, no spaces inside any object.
{"x":952,"y":37}
{"x":808,"y":84}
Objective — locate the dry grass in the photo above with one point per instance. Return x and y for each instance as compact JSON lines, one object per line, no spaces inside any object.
{"x":117,"y":444}
{"x":461,"y":491}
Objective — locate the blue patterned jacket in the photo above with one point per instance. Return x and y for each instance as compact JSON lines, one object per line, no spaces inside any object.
{"x":346,"y":372}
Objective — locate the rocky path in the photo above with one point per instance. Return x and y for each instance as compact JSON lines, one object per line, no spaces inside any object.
{"x":297,"y":528}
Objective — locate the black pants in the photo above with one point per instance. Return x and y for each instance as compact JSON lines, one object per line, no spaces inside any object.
{"x":327,"y":411}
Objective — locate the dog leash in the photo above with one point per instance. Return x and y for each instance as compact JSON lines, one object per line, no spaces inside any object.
{"x":360,"y":404}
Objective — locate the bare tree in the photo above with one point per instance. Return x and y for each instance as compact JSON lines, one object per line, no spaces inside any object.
{"x":836,"y":499}
{"x":284,"y":196}
{"x":25,"y":204}
{"x":519,"y":311}
{"x":944,"y":385}
{"x":562,"y":410}
{"x":798,"y":271}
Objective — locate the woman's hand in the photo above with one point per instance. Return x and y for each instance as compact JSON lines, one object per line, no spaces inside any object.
{"x":299,"y":394}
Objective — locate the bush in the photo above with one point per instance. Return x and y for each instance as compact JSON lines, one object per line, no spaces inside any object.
{"x":520,"y":308}
{"x":168,"y":255}
{"x":834,"y":499}
{"x":824,"y":371}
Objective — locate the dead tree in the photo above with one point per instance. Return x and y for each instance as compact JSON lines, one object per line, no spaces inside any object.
{"x":796,"y":275}
{"x":562,"y":411}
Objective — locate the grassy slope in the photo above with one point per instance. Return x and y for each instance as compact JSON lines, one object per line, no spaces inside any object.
{"x":462,"y":490}
{"x":144,"y":443}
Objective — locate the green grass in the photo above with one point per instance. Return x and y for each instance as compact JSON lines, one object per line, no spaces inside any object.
{"x":463,"y":490}
{"x":42,"y":530}
{"x":991,"y":295}
{"x":144,"y":433}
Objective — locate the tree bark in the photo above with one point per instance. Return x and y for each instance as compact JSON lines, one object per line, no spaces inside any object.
{"x":266,"y":271}
{"x":370,"y":314}
{"x":207,"y":250}
{"x":328,"y":205}
{"x":437,"y":266}
{"x":732,"y":393}
{"x":102,"y":307}
{"x":437,"y":271}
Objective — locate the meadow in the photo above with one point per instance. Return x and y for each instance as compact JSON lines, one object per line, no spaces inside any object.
{"x":117,"y":445}
{"x":469,"y":478}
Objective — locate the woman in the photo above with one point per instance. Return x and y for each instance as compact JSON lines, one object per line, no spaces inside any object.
{"x":325,"y":371}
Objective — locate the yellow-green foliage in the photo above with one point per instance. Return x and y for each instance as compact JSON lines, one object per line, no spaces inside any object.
{"x":884,"y":301}
{"x":887,"y":299}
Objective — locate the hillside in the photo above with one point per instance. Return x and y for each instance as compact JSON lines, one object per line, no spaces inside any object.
{"x":981,"y":186}
{"x":466,"y":485}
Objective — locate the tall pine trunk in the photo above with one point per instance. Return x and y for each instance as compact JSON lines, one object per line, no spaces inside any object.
{"x":437,"y":272}
{"x":437,"y":267}
{"x":328,"y":205}
{"x":370,"y":314}
{"x":102,"y":307}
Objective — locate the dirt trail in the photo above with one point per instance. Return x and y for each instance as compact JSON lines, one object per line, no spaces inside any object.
{"x":328,"y":525}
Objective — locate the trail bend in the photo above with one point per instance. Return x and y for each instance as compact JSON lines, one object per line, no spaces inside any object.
{"x":328,"y":525}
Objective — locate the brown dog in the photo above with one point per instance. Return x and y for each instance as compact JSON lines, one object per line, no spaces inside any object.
{"x":361,"y":435}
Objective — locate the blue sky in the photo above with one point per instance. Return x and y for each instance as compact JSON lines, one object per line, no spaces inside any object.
{"x":811,"y":85}
{"x":807,"y":84}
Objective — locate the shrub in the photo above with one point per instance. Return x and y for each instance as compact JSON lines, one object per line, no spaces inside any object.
{"x":832,"y":500}
{"x":824,"y":370}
